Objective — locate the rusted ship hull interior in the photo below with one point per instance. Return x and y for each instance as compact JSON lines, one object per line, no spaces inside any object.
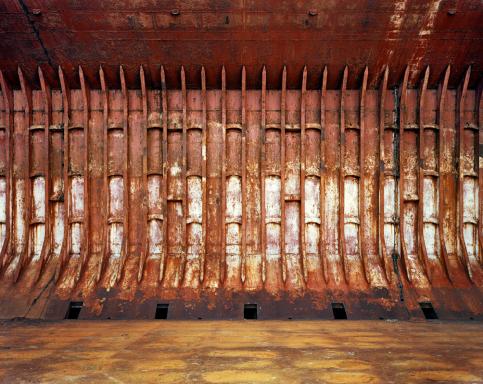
{"x":226,"y":161}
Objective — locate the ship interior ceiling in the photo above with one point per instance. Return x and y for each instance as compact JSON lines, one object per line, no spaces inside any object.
{"x":241,"y":159}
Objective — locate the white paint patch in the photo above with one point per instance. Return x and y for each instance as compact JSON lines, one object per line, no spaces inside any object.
{"x":390,"y":215}
{"x":470,"y":200}
{"x":292,"y":176}
{"x":273,"y":199}
{"x":20,"y":225}
{"x":470,"y":237}
{"x":312,"y":200}
{"x":115,"y":239}
{"x":58,"y":234}
{"x":332,"y":219}
{"x":470,"y":219}
{"x":116,"y":196}
{"x":75,"y":238}
{"x":351,"y":217}
{"x":77,"y":196}
{"x":194,"y":240}
{"x":154,"y":193}
{"x":38,"y":236}
{"x":233,"y":251}
{"x":233,"y":199}
{"x":312,"y":236}
{"x":38,"y":213}
{"x":155,"y":239}
{"x":233,"y":239}
{"x":195,"y":199}
{"x":273,"y":242}
{"x":409,"y":229}
{"x":430,"y":218}
{"x":292,"y":227}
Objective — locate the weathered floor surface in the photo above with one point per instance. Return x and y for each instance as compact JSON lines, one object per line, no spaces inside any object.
{"x":241,"y":352}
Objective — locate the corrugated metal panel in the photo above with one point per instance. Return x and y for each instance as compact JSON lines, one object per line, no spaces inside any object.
{"x":207,"y":199}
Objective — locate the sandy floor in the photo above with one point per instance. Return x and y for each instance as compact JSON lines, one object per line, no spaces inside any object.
{"x":241,"y":352}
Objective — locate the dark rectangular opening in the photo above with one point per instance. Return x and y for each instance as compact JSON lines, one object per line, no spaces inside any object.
{"x":250,"y":312}
{"x":74,"y":309}
{"x":161,"y":311}
{"x":338,"y":310}
{"x":428,"y":310}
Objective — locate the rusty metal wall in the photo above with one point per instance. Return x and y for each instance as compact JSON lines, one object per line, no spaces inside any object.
{"x":210,"y":198}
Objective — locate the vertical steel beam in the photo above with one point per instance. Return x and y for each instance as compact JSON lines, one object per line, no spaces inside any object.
{"x":64,"y":254}
{"x":385,"y":258}
{"x":7,"y":95}
{"x":184,"y":174}
{"x":27,"y":122}
{"x":164,"y":102}
{"x":105,"y":186}
{"x":323,"y":128}
{"x":262,"y":173}
{"x":47,"y":105}
{"x":85,"y":91}
{"x":204,"y":210}
{"x":283,"y":116}
{"x":366,"y":264}
{"x":421,"y":171}
{"x":145,"y":204}
{"x":244,"y":174}
{"x":303,"y":95}
{"x":223,"y":271}
{"x":341,"y":173}
{"x":441,"y":122}
{"x":402,"y":122}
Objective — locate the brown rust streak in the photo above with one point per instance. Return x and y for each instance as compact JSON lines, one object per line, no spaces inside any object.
{"x":47,"y":102}
{"x":462,"y":92}
{"x":402,"y":121}
{"x":364,"y":260}
{"x":125,"y":176}
{"x":244,"y":174}
{"x":440,"y":122}
{"x":262,"y":173}
{"x":203,"y":175}
{"x":322,"y":246}
{"x":421,"y":159}
{"x":303,"y":95}
{"x":385,"y":260}
{"x":145,"y":208}
{"x":85,"y":112}
{"x":7,"y":96}
{"x":64,"y":253}
{"x":283,"y":116}
{"x":164,"y":101}
{"x":223,"y":271}
{"x":341,"y":173}
{"x":27,"y":101}
{"x":105,"y":190}
{"x":184,"y":174}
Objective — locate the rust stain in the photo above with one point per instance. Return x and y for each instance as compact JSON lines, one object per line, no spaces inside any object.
{"x":206,"y":199}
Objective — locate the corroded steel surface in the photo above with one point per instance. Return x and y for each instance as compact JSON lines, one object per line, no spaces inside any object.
{"x":207,"y":352}
{"x":253,"y":33}
{"x":208,"y":199}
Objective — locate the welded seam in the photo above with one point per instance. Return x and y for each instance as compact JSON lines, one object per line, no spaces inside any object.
{"x":36,"y":32}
